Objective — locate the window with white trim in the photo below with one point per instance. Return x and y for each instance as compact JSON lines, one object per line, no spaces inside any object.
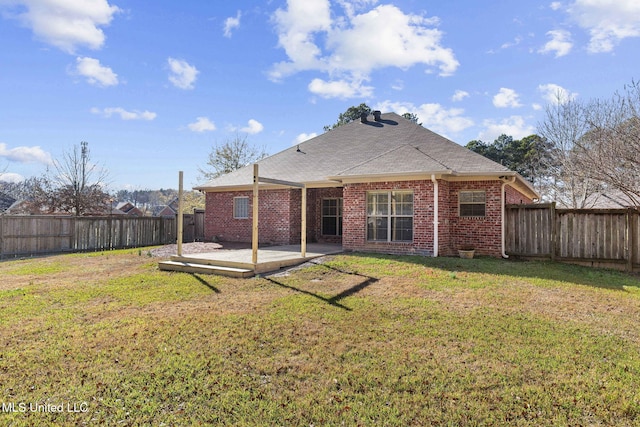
{"x":240,"y":207}
{"x":472,"y":203}
{"x":332,"y":217}
{"x":390,"y":216}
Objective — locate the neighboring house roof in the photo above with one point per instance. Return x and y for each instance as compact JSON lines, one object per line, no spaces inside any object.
{"x":612,"y":199}
{"x":163,"y":210}
{"x":391,"y":148}
{"x":6,"y":202}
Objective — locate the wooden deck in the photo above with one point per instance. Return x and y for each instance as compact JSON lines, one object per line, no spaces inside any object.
{"x":237,"y":263}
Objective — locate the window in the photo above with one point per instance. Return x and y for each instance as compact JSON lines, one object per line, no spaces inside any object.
{"x":332,"y":217}
{"x":240,"y":207}
{"x":472,"y":203}
{"x":390,"y":216}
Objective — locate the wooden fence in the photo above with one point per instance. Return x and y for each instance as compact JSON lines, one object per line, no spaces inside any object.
{"x":41,"y":234}
{"x":603,"y":237}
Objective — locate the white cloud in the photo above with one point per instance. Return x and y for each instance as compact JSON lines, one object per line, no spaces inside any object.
{"x":25,"y":154}
{"x":555,"y":5}
{"x":459,"y":95}
{"x":253,"y":127}
{"x":11,"y":177}
{"x":608,"y":21}
{"x":342,"y":89}
{"x":514,"y":126}
{"x":560,"y":43}
{"x":506,"y":98}
{"x":349,"y":48}
{"x":231,"y":24}
{"x":183,"y":75}
{"x":66,"y":24}
{"x":304,"y":137}
{"x":124,"y":114}
{"x":96,"y":73}
{"x":202,"y":124}
{"x":432,"y":116}
{"x":555,"y":94}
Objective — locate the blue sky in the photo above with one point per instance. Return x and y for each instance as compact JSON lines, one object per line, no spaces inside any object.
{"x":152,"y":86}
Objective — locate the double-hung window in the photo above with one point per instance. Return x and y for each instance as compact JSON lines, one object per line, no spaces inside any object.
{"x":472,"y":203}
{"x":240,"y":207}
{"x":332,"y":217}
{"x":390,"y":216}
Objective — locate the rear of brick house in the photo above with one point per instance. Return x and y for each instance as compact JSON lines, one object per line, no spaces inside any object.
{"x":383,"y":184}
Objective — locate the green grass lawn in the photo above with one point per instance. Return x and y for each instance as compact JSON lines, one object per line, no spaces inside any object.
{"x":359,"y":340}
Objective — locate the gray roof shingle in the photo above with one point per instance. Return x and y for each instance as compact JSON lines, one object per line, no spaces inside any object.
{"x":394,"y":145}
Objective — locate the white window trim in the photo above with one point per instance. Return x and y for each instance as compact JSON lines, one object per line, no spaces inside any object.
{"x":460,"y":203}
{"x":390,"y":216}
{"x":236,"y":214}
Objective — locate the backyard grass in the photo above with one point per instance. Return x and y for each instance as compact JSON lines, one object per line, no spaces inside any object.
{"x":359,"y":340}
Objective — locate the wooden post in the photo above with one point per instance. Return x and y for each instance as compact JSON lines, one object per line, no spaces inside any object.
{"x":631,"y":232}
{"x":180,"y":219}
{"x":554,"y":232}
{"x":254,"y":234}
{"x":303,"y":236}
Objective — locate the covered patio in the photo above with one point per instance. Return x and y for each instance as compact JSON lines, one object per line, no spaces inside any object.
{"x":240,"y":262}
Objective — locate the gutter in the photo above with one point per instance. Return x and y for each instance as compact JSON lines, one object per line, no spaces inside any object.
{"x":435,"y":215}
{"x":502,"y":204}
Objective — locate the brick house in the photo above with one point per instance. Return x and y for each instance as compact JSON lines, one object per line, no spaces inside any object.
{"x":381,"y":184}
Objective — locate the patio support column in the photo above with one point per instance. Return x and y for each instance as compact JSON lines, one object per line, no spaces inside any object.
{"x":180,"y":218}
{"x":254,"y":233}
{"x":303,"y":214}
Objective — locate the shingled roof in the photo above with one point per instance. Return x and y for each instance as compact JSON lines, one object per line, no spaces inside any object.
{"x":6,"y":202}
{"x":391,"y":147}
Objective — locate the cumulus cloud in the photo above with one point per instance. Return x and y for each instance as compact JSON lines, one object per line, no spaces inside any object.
{"x":433,"y":116}
{"x":11,"y":177}
{"x":514,"y":126}
{"x":316,"y":38}
{"x":506,"y":98}
{"x":25,"y":154}
{"x":182,"y":74}
{"x":459,"y":95}
{"x":66,"y":24}
{"x":607,"y":21}
{"x":342,"y":89}
{"x":231,"y":24}
{"x":253,"y":127}
{"x":95,"y":73}
{"x":304,"y":137}
{"x":124,"y":114}
{"x":560,"y":43}
{"x":555,"y":94}
{"x":202,"y":124}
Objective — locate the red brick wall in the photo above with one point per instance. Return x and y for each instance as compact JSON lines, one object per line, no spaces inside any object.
{"x":355,"y":218}
{"x":279,"y":220}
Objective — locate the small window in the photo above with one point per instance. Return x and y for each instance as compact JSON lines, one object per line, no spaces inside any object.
{"x":332,"y":217}
{"x":240,"y":207}
{"x":472,"y":203}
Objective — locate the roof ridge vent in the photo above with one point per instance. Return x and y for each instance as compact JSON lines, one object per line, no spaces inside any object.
{"x":376,"y":115}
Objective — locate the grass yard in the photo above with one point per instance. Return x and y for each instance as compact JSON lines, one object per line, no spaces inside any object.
{"x":360,"y":340}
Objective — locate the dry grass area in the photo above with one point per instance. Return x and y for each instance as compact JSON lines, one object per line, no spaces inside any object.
{"x":354,"y":340}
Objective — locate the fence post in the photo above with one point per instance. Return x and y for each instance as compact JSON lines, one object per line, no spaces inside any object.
{"x":554,"y":231}
{"x":2,"y":220}
{"x":631,"y":232}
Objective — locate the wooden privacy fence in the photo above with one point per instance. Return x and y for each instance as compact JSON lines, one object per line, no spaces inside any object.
{"x":41,"y":234}
{"x":605,"y":237}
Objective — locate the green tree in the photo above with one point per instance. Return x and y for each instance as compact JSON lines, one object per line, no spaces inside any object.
{"x":352,"y":114}
{"x":233,"y":154}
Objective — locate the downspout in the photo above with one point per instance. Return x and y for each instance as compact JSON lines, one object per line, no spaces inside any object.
{"x":435,"y":215}
{"x":503,"y":204}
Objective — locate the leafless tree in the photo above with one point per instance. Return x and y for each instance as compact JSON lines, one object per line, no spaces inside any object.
{"x":567,"y":182}
{"x":231,"y":155}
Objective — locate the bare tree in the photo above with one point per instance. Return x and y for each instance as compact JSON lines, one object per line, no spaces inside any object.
{"x":231,"y":155}
{"x":568,"y":182}
{"x":79,"y":183}
{"x":610,"y":150}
